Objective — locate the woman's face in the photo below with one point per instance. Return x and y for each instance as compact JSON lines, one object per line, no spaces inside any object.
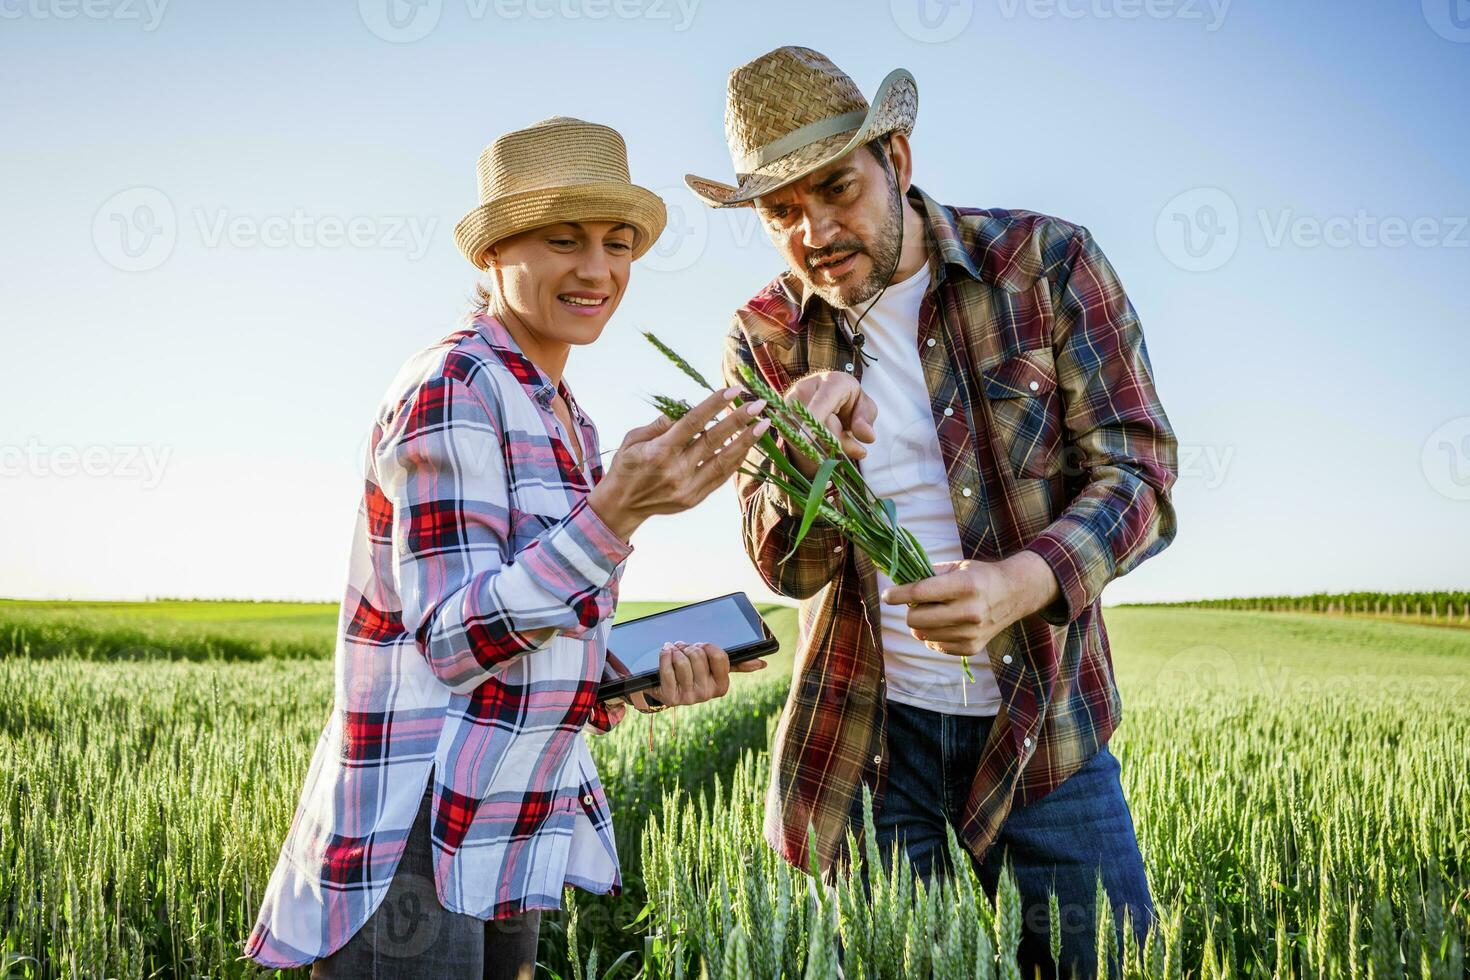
{"x":563,"y":281}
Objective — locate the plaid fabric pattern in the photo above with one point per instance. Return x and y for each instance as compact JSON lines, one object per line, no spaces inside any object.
{"x":470,"y":644}
{"x":1053,"y":440}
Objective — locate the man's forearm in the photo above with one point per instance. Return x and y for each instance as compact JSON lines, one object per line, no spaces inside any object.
{"x":1034,"y":586}
{"x":770,"y":522}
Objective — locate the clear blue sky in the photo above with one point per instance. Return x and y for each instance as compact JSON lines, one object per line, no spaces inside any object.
{"x":228,"y":224}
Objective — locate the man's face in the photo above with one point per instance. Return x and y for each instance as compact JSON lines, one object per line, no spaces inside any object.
{"x":839,"y":228}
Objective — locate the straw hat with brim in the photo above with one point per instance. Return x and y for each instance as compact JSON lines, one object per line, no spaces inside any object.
{"x":791,"y":112}
{"x":559,"y":169}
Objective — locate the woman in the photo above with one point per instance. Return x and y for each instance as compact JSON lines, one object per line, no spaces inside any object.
{"x":451,"y":795}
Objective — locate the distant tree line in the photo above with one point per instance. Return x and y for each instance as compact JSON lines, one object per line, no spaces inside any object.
{"x":1433,"y":606}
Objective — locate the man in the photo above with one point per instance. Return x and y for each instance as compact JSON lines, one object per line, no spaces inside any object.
{"x":990,"y":374}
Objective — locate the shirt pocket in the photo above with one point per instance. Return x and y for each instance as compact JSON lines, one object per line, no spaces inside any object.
{"x":1025,"y":412}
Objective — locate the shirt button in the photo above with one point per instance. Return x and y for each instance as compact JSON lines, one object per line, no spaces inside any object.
{"x":838,"y":548}
{"x":948,"y":412}
{"x":1006,"y":659}
{"x":587,"y":799}
{"x":877,"y":760}
{"x":849,"y":365}
{"x":965,"y":492}
{"x":1034,"y":386}
{"x":1026,"y":741}
{"x":930,"y":341}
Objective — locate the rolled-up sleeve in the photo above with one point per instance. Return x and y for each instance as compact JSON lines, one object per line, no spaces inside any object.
{"x":605,"y":716}
{"x":1123,"y":514}
{"x":472,"y":605}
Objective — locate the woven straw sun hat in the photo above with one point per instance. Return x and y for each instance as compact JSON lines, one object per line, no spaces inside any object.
{"x":790,"y":112}
{"x":559,"y":169}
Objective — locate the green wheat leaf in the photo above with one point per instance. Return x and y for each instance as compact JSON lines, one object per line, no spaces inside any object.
{"x":813,"y":503}
{"x":891,"y":509}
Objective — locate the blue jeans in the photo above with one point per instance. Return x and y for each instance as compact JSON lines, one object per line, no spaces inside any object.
{"x":1058,"y":843}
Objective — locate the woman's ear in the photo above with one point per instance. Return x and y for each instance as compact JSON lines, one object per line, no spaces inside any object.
{"x":489,"y":256}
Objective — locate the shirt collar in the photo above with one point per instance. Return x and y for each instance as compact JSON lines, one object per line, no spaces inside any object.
{"x":945,"y":247}
{"x":536,"y":384}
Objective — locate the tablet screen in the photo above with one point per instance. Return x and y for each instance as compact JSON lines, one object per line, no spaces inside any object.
{"x":633,"y":647}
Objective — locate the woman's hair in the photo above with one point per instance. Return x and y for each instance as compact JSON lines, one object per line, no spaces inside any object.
{"x":484,"y":298}
{"x":487,"y":298}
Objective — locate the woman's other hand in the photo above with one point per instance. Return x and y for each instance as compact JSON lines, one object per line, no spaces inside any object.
{"x":666,"y":467}
{"x":691,"y":673}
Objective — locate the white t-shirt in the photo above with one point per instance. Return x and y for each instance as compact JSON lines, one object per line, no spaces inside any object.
{"x":904,"y":464}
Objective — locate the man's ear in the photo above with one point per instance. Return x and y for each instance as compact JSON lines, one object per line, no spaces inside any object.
{"x":901,"y":153}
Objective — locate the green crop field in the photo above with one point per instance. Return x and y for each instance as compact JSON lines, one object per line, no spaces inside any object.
{"x":1299,"y":785}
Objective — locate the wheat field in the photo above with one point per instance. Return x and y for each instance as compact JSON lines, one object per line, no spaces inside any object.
{"x":1298,"y":784}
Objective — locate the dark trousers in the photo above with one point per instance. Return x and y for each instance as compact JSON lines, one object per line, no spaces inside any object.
{"x":411,"y":936}
{"x":1060,"y":842}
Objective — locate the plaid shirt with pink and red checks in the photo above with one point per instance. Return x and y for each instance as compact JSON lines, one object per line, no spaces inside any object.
{"x":1053,"y":440}
{"x":470,"y":645}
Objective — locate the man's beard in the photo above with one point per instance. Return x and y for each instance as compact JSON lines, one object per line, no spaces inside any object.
{"x":883,"y":256}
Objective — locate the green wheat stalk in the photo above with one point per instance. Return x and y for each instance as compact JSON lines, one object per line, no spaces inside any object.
{"x":866,"y":520}
{"x":679,"y":362}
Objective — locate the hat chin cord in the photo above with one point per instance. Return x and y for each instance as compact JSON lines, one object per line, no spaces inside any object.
{"x":857,"y":337}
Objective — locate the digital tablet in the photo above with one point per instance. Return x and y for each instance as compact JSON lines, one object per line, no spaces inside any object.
{"x":728,"y":621}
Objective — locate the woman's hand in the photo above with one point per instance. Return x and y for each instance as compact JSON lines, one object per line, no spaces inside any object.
{"x":666,"y":467}
{"x":690,"y":673}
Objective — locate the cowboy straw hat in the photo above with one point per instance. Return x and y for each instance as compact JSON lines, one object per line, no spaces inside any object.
{"x":790,"y":112}
{"x":559,"y":169}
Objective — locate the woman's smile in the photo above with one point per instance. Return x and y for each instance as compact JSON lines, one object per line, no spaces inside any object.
{"x":582,"y":303}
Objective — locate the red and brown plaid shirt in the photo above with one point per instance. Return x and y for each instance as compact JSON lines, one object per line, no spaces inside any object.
{"x":1054,"y":442}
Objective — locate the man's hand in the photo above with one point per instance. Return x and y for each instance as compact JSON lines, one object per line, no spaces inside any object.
{"x":967,"y":603}
{"x":838,"y":402}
